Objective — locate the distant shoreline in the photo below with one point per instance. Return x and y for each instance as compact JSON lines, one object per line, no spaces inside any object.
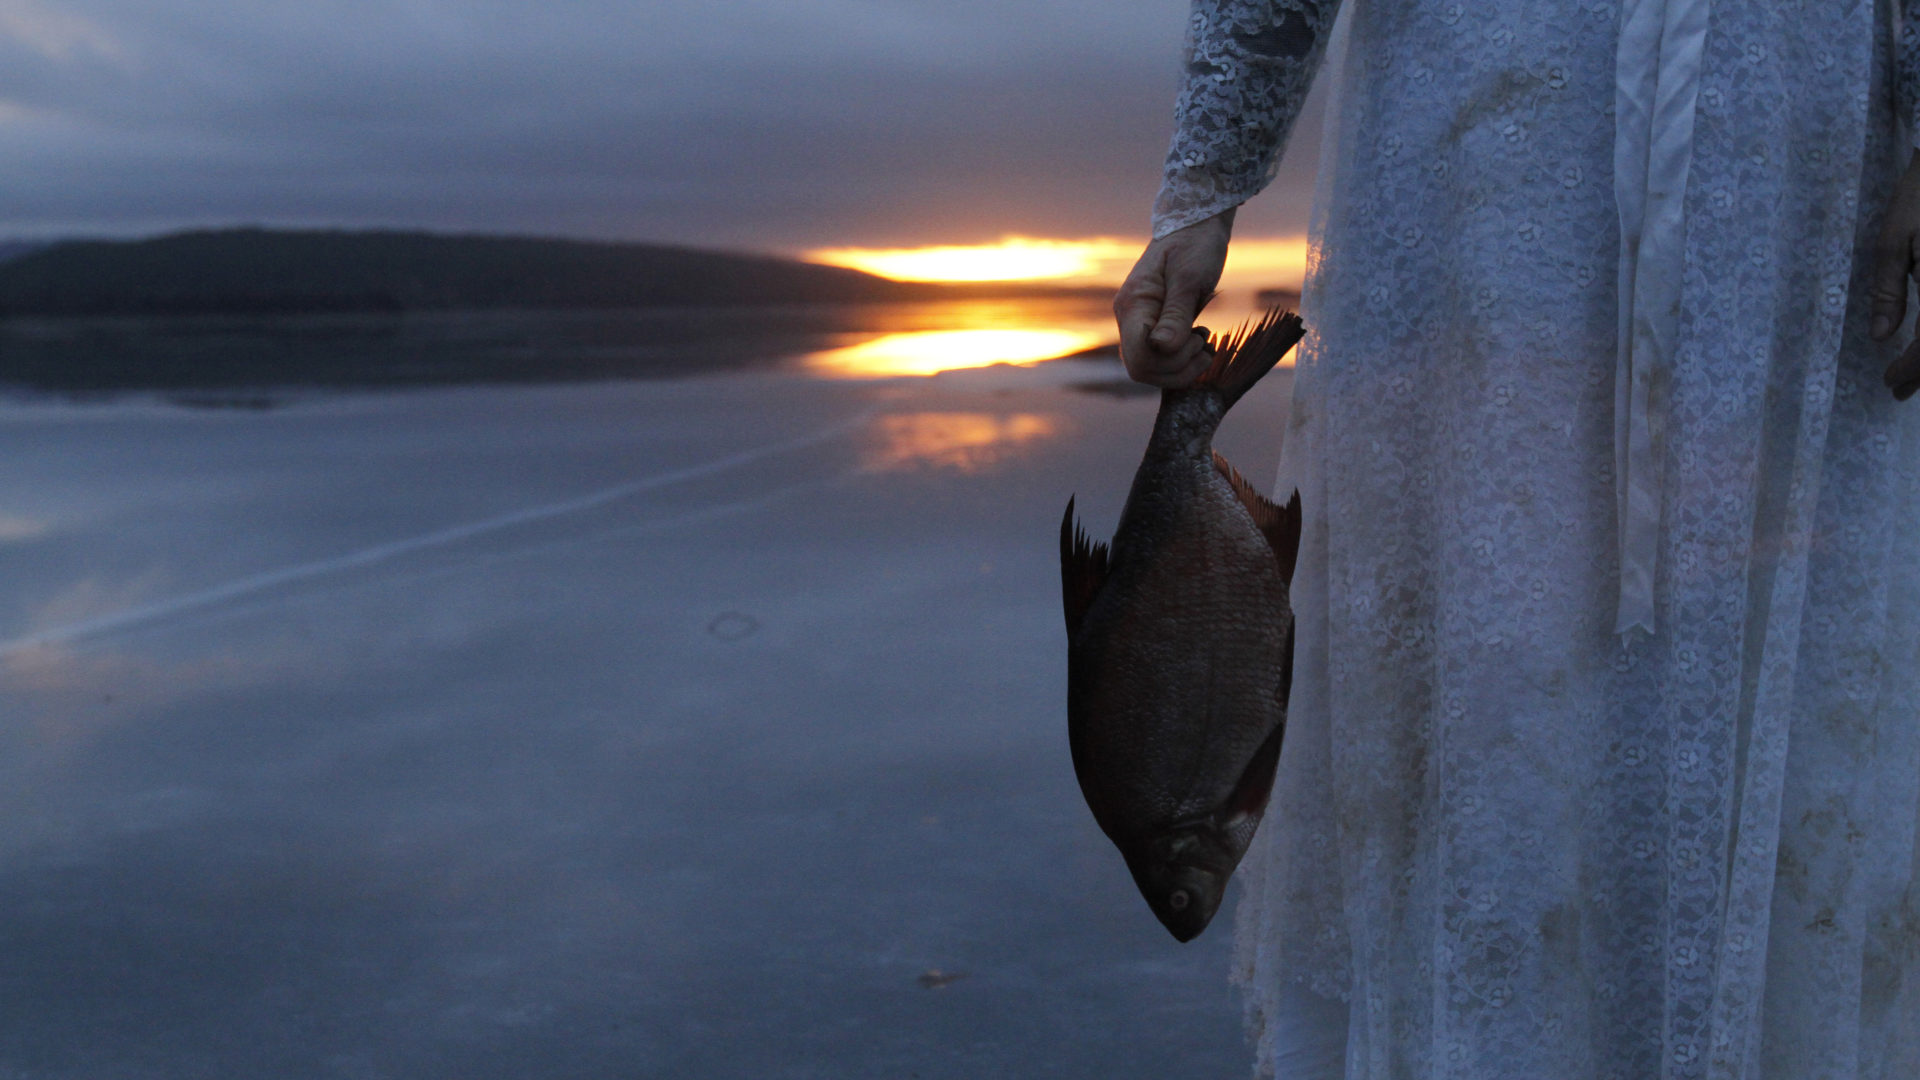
{"x":253,"y":354}
{"x":239,"y":309}
{"x":252,"y":271}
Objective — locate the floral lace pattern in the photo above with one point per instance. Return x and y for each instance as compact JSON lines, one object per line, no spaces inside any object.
{"x":1518,"y":846}
{"x":1248,"y":68}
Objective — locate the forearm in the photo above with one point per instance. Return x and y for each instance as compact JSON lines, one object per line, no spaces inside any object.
{"x":1249,"y":66}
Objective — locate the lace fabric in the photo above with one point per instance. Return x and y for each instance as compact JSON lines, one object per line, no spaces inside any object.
{"x":1248,"y":67}
{"x":1518,"y":845}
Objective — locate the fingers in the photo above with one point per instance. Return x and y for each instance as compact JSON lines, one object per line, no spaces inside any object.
{"x":1155,"y":308}
{"x":1180,"y":367}
{"x":1141,"y":309}
{"x":1195,"y":258}
{"x":1137,"y":308}
{"x":1171,"y":369}
{"x":1182,"y":306}
{"x":1903,"y":375}
{"x":1893,"y":262}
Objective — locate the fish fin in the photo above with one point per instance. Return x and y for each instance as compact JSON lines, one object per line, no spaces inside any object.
{"x":1286,"y":667}
{"x":1279,"y":524}
{"x":1242,"y":357}
{"x":1250,"y":795}
{"x":1083,"y":569}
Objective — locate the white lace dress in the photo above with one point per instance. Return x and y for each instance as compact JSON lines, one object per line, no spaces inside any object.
{"x":1519,"y":844}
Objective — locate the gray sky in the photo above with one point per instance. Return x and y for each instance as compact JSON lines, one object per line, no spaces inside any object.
{"x":771,"y":124}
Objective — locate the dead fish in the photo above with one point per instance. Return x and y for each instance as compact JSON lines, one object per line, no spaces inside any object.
{"x":1180,"y":646}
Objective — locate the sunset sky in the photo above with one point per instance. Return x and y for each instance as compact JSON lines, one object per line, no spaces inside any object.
{"x":775,"y":125}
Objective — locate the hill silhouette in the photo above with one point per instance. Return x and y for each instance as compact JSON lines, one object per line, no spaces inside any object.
{"x":250,"y":308}
{"x":263,"y":271}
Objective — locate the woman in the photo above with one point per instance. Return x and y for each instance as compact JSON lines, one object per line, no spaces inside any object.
{"x":1604,"y":752}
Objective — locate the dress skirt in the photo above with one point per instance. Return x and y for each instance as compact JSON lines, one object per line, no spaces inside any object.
{"x":1517,"y":844}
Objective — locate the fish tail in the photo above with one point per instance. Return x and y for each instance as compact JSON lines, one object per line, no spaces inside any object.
{"x":1242,"y":357}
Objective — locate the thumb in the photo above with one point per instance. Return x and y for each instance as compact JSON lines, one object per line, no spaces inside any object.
{"x":1175,"y":325}
{"x":1891,"y":264}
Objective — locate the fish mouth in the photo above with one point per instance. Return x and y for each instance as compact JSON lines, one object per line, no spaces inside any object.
{"x":1181,"y":885}
{"x":1186,"y":930}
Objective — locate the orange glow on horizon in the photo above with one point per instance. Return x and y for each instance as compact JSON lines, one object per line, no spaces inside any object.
{"x":1253,"y":262}
{"x":1265,"y":262}
{"x":1012,"y":258}
{"x":930,"y":352}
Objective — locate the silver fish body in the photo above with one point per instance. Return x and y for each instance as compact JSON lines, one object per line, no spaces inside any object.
{"x":1180,"y":641}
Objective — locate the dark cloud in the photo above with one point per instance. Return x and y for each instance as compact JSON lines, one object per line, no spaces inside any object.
{"x":754,"y":123}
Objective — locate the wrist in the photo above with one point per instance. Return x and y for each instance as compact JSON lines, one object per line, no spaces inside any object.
{"x":1194,"y":220}
{"x":1222,"y":222}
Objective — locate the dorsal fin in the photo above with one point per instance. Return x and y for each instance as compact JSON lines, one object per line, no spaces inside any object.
{"x":1279,"y":524}
{"x":1083,"y":569}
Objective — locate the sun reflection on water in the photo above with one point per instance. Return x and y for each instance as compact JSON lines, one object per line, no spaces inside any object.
{"x":966,"y":441}
{"x":930,"y":352}
{"x":920,"y":339}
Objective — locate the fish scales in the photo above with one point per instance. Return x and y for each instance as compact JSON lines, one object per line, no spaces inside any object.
{"x":1179,"y":647}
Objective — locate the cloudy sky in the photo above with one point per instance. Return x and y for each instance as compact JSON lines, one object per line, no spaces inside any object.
{"x":777,"y":125}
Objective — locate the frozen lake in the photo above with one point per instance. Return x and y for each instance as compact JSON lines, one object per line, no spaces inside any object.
{"x":706,"y":726}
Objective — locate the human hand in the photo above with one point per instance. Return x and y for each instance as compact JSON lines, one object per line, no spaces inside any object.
{"x":1157,"y":304}
{"x":1897,"y":258}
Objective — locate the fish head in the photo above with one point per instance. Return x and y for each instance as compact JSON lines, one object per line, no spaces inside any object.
{"x":1183,"y":874}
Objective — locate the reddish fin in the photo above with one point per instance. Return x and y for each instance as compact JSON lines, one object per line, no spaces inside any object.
{"x":1250,"y":795}
{"x":1083,"y":569}
{"x":1279,"y":524}
{"x":1242,"y":357}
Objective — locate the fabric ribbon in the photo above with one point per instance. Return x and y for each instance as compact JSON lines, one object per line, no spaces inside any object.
{"x":1656,"y":82}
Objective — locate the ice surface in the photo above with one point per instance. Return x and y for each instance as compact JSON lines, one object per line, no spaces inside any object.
{"x":709,"y":727}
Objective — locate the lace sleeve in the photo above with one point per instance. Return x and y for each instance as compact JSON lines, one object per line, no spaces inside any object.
{"x":1249,"y":64}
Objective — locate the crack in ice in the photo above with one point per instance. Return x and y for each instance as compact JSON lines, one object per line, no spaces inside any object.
{"x":440,"y":537}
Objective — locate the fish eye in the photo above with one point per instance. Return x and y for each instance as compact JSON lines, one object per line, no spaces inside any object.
{"x":1179,"y":900}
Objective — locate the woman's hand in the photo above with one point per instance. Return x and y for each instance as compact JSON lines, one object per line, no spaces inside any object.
{"x":1897,"y":258}
{"x":1160,"y":299}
